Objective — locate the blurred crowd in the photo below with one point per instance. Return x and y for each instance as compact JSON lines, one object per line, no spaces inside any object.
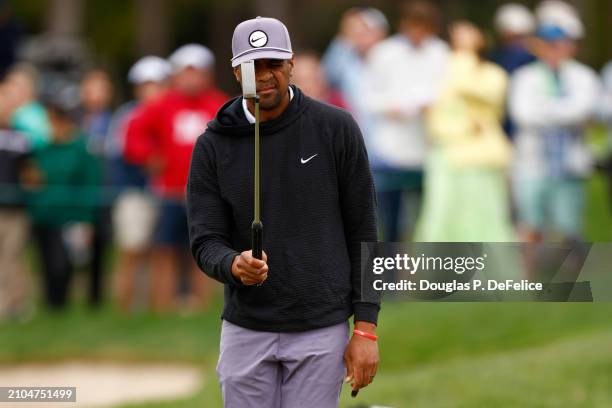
{"x":467,"y":142}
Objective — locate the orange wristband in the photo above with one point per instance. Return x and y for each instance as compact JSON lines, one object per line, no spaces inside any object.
{"x":365,"y":334}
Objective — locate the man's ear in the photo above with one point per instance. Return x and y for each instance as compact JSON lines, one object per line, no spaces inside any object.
{"x":237,"y":74}
{"x":290,"y":65}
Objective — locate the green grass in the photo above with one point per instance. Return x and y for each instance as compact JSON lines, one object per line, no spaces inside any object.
{"x":598,"y":217}
{"x":598,"y":220}
{"x":576,"y":372}
{"x":106,"y":334}
{"x":432,"y":354}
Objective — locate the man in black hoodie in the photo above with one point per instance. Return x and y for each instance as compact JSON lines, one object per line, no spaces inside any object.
{"x":284,"y":340}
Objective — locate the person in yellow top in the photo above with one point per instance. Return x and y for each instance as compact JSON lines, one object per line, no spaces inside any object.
{"x":466,"y":192}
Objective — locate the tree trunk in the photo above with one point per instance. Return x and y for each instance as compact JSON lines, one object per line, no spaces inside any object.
{"x":65,"y":17}
{"x":152,"y":27}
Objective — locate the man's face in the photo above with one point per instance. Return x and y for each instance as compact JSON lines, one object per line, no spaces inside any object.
{"x":554,"y":53}
{"x":309,"y":77}
{"x":149,"y":90}
{"x":96,"y":91}
{"x":359,"y":33}
{"x":18,"y":89}
{"x":191,"y":80}
{"x":417,"y":33}
{"x":272,"y":79}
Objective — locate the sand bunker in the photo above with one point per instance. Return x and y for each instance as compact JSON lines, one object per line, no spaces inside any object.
{"x":105,"y":384}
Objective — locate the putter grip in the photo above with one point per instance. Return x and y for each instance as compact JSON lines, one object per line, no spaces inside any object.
{"x":257,"y":239}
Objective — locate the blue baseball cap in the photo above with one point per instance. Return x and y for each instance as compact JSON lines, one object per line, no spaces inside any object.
{"x":550,"y":33}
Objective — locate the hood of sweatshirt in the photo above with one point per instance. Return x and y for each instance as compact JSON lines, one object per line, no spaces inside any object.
{"x":231,"y":120}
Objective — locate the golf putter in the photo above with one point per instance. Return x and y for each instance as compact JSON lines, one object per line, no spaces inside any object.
{"x":249,"y":91}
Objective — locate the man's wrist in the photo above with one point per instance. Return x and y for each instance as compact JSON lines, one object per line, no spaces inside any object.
{"x":232,"y":260}
{"x":233,"y":268}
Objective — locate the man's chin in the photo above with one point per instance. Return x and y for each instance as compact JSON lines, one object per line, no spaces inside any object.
{"x":269,"y":101}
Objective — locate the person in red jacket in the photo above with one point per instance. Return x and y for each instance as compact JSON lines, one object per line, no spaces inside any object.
{"x":161,"y":137}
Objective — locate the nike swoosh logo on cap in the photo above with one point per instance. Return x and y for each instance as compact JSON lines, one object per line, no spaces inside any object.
{"x":256,"y":39}
{"x":304,"y":161}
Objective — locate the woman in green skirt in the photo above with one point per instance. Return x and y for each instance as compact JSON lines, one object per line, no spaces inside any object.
{"x":466,"y":188}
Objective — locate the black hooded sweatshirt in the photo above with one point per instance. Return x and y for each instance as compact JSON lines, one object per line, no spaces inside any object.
{"x":317,"y":206}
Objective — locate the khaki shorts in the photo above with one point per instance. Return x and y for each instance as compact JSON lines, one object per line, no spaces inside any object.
{"x":13,"y":273}
{"x":134,"y":218}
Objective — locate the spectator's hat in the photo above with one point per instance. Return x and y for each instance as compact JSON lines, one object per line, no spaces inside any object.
{"x":561,"y":14}
{"x":191,"y":55}
{"x":374,"y":18}
{"x":260,"y":38}
{"x":514,"y":18}
{"x":550,"y":33}
{"x":149,"y":69}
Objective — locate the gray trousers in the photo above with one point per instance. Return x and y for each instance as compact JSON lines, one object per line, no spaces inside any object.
{"x":282,"y":370}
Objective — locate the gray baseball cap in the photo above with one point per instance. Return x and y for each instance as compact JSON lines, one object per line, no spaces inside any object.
{"x":260,"y":38}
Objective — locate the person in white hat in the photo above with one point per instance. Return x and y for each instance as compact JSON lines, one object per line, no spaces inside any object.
{"x":514,"y":24}
{"x":552,"y":101}
{"x":161,"y":138}
{"x":134,"y":211}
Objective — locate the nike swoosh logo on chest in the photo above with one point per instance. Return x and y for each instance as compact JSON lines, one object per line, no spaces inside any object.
{"x":304,"y":161}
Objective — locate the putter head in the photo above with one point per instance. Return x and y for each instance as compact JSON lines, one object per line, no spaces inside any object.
{"x":247,"y":73}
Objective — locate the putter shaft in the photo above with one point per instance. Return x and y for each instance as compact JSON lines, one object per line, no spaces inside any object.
{"x":257,"y":203}
{"x":257,"y":226}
